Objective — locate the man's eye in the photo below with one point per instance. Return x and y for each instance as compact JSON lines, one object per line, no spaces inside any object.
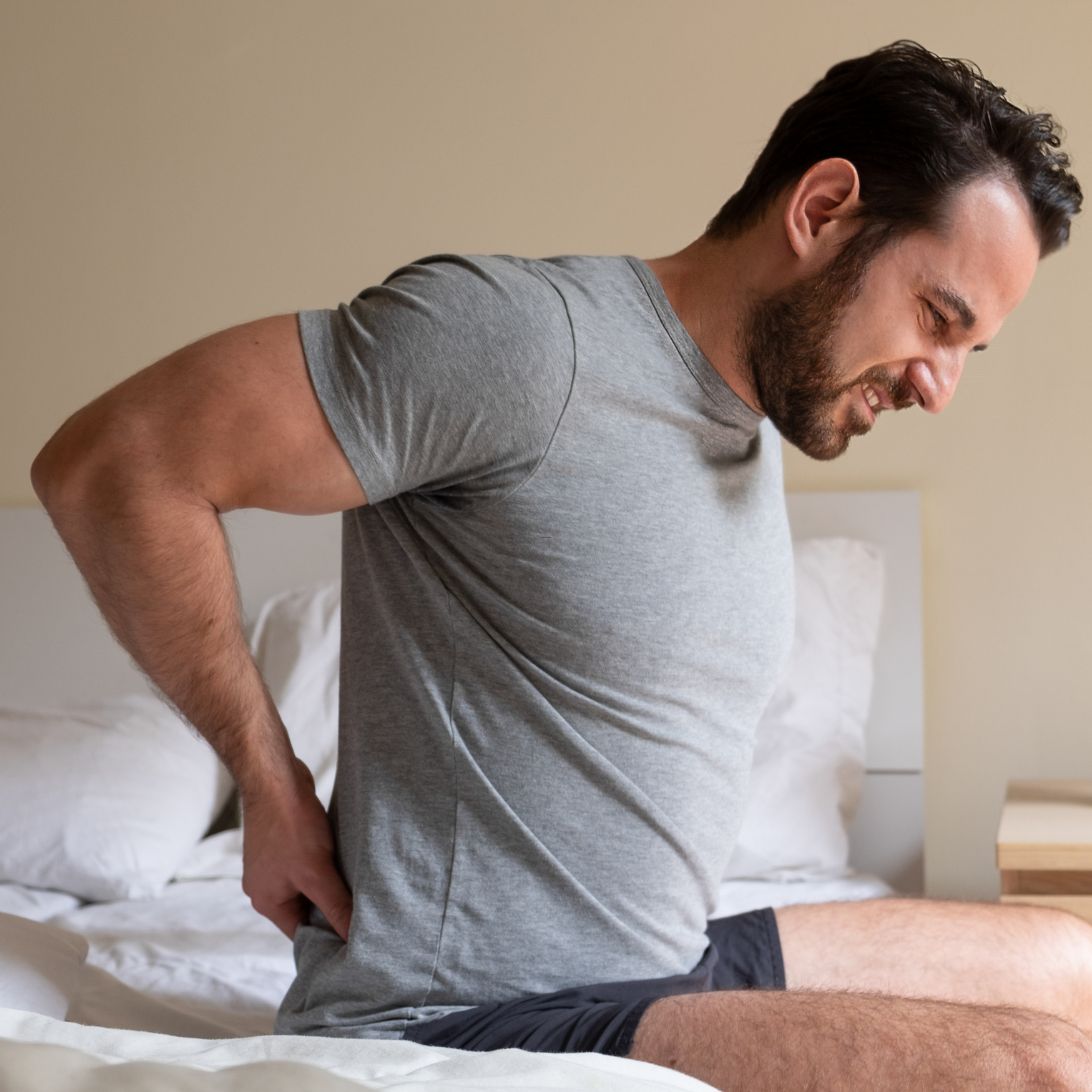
{"x":938,"y":318}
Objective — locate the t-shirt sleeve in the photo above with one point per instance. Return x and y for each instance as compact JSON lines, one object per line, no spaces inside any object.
{"x":447,"y":379}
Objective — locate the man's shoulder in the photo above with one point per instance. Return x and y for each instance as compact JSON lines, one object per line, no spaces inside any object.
{"x":537,"y":300}
{"x":512,"y":273}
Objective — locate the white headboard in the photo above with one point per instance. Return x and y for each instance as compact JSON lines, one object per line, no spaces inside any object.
{"x":887,"y":835}
{"x":55,"y":648}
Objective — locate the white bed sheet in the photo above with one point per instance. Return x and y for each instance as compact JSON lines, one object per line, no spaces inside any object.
{"x":198,"y":960}
{"x":38,"y":1053}
{"x":736,"y":896}
{"x":34,"y":903}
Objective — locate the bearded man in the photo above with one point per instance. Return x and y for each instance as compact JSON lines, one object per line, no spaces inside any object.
{"x":567,"y":598}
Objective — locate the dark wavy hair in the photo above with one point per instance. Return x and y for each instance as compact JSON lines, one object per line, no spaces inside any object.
{"x":917,"y":127}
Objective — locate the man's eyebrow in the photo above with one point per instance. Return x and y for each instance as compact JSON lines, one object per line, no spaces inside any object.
{"x":952,"y":299}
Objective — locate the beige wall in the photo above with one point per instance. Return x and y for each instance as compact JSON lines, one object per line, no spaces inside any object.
{"x":171,"y":168}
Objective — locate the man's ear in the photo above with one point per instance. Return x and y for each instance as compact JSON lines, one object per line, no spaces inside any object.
{"x":817,"y":212}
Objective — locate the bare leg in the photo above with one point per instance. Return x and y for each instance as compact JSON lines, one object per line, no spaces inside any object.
{"x":980,"y":953}
{"x":770,"y":1040}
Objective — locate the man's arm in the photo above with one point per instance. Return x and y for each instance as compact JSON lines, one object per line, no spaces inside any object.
{"x":134,"y":483}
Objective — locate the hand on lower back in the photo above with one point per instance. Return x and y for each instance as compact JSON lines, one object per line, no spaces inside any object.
{"x":288,"y":857}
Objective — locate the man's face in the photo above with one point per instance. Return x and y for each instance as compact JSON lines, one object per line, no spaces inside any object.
{"x":892,"y":329}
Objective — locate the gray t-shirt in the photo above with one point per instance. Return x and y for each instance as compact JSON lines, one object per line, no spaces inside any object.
{"x":563,"y":611}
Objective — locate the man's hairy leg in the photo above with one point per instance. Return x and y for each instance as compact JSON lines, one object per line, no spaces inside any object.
{"x":979,"y":953}
{"x":766,"y":1039}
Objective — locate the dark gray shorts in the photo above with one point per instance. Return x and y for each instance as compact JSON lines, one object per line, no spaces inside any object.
{"x":744,"y":953}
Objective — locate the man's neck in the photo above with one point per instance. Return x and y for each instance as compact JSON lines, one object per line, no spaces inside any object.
{"x":710,"y":284}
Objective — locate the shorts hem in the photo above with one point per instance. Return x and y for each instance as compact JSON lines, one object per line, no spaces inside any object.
{"x":777,"y":959}
{"x":622,"y":1043}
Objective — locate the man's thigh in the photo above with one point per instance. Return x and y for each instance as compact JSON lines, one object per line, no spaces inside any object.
{"x":980,"y":953}
{"x":771,"y":1039}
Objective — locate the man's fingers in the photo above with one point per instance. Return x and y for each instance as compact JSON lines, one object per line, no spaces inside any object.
{"x":286,"y":915}
{"x":320,"y":885}
{"x":329,"y":893}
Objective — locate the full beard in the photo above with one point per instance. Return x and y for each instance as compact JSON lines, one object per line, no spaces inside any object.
{"x":787,"y":342}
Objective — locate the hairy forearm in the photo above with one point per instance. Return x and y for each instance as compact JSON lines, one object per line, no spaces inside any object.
{"x":158,"y":566}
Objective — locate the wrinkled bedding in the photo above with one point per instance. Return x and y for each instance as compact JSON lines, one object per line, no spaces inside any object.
{"x":38,"y":1053}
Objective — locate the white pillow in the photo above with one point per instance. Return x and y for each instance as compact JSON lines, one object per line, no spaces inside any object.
{"x":103,"y":800}
{"x":217,"y":857}
{"x":810,"y":748}
{"x":296,"y":643}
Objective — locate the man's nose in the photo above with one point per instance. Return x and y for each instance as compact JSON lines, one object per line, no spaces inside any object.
{"x":935,"y":380}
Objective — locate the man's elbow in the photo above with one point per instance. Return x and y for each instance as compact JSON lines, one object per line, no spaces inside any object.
{"x":50,"y":468}
{"x":85,"y":452}
{"x":39,"y":474}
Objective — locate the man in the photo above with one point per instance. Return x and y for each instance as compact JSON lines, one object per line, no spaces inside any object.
{"x":566,"y":600}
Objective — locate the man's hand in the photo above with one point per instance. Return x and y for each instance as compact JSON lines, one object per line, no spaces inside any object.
{"x":288,"y":856}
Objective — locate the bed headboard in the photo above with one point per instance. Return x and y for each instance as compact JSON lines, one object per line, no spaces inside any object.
{"x":55,"y":648}
{"x":887,"y":835}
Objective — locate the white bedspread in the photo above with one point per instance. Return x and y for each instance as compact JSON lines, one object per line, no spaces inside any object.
{"x":50,"y":1054}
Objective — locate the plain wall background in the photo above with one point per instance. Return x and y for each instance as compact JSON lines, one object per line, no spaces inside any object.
{"x":172,"y":168}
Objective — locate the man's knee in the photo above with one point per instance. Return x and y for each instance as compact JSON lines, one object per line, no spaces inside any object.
{"x":1055,"y":1055}
{"x":1053,"y":953}
{"x":1070,"y":938}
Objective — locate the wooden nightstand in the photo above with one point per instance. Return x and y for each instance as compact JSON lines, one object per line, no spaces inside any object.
{"x":1044,"y":845}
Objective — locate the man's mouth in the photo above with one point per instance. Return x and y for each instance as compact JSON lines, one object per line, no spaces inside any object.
{"x":874,"y":401}
{"x":889,"y":395}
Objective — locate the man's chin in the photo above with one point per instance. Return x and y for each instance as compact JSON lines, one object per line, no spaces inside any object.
{"x":825,"y":452}
{"x":827,"y":443}
{"x":817,"y":434}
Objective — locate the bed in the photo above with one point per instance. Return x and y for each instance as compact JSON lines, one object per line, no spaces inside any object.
{"x":125,"y":938}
